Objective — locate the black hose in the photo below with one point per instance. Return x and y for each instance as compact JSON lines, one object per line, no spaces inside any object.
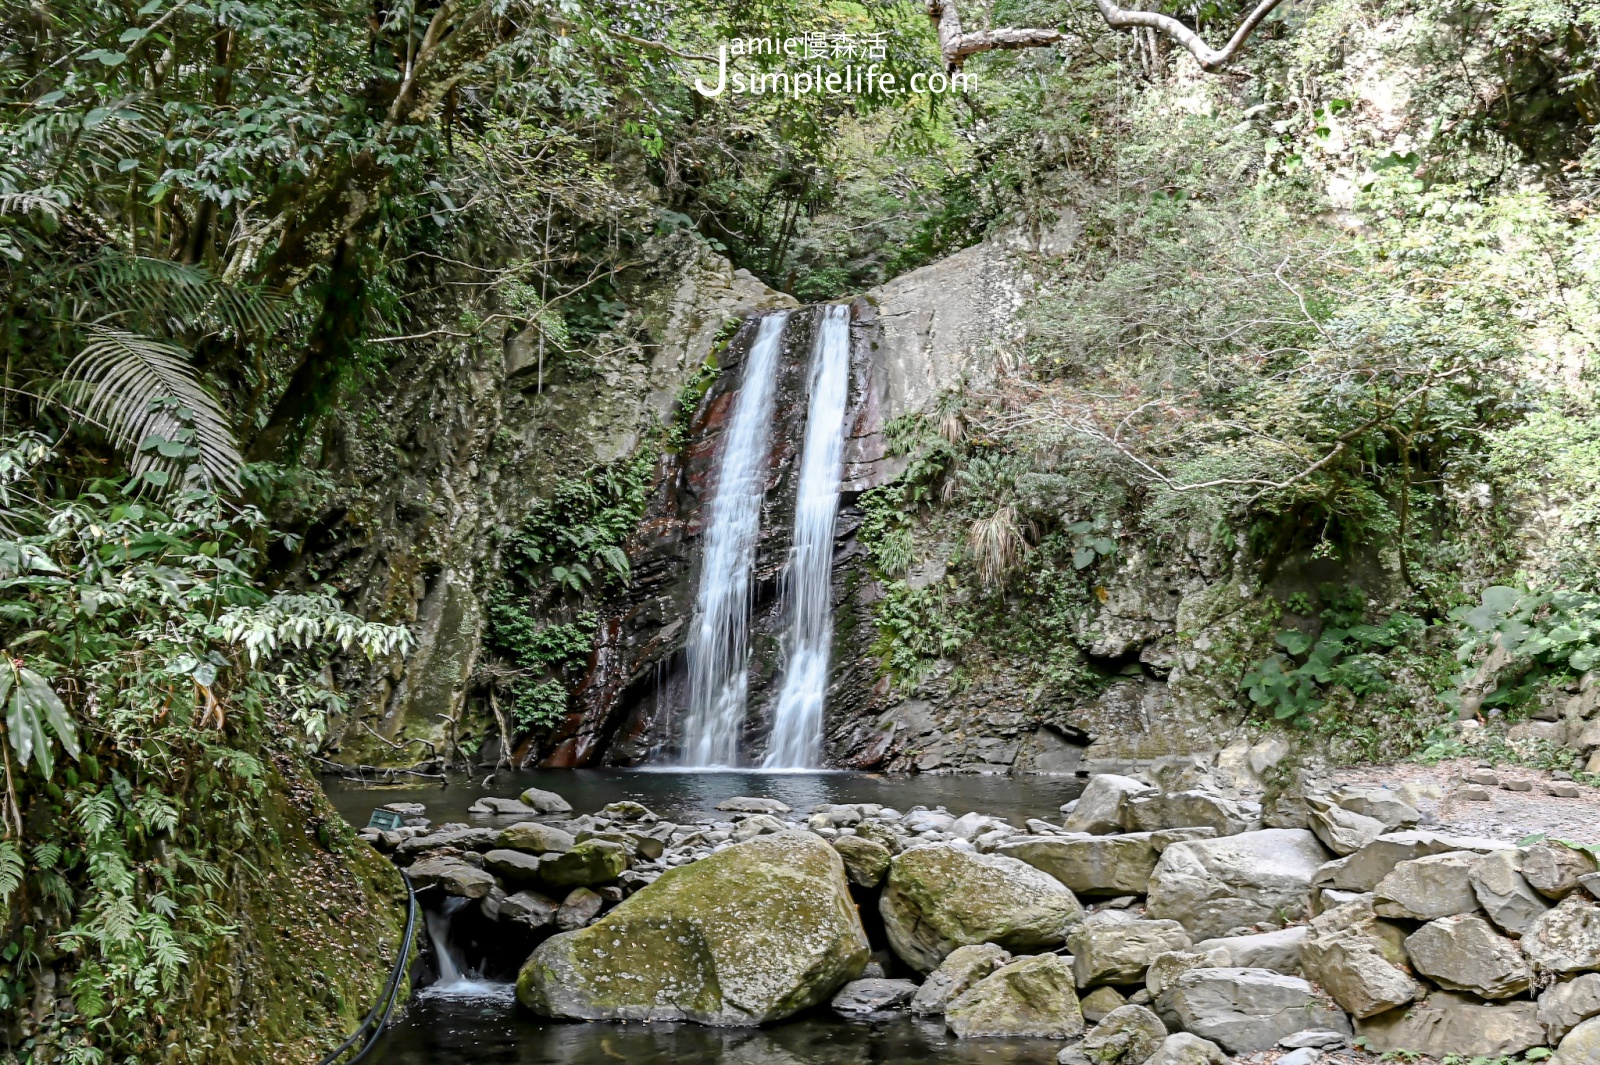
{"x":391,"y":991}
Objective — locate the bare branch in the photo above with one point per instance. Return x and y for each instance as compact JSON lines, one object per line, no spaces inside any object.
{"x":956,"y":45}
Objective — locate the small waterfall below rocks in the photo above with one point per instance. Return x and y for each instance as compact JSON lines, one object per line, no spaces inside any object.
{"x":719,"y":648}
{"x":796,"y":741}
{"x":457,"y":978}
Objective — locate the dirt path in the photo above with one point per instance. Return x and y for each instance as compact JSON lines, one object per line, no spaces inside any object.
{"x":1507,"y":814}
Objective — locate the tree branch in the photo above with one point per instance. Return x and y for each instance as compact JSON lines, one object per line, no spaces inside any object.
{"x":956,"y":45}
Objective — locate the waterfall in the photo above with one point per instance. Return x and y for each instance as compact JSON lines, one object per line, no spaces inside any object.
{"x":457,"y":979}
{"x":719,"y":649}
{"x":796,"y":741}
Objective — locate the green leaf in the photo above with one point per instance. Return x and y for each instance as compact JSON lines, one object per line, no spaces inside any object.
{"x":1083,"y":558}
{"x":1294,"y":641}
{"x":1500,"y":599}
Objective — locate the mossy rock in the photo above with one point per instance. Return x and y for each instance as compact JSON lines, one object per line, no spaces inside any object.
{"x":594,"y":861}
{"x":750,"y":935}
{"x":939,"y":897}
{"x":1030,"y":998}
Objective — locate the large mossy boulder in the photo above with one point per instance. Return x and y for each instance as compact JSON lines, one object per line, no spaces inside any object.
{"x":747,"y":936}
{"x":938,"y":898}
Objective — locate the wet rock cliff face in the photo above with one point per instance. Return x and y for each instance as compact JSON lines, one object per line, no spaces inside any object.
{"x":935,"y":329}
{"x":473,"y":440}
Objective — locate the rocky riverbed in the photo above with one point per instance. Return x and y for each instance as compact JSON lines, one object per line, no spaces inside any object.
{"x":1178,"y":924}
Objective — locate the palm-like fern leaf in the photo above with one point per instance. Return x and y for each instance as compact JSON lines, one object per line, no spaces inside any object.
{"x":180,"y":297}
{"x":120,"y":379}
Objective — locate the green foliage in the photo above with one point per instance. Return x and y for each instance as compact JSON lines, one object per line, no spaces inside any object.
{"x":138,"y":640}
{"x":1548,"y":635}
{"x":689,"y":397}
{"x":538,"y":706}
{"x":916,"y":628}
{"x":570,"y":546}
{"x":573,"y":538}
{"x":1345,"y":653}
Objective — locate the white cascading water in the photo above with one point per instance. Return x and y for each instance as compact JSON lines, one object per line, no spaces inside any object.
{"x":455,"y":976}
{"x":719,"y":647}
{"x":796,"y":741}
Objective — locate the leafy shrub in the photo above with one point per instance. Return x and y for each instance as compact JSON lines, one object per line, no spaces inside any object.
{"x":1293,"y":682}
{"x":574,"y":537}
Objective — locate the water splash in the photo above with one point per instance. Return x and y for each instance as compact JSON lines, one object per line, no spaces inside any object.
{"x":719,"y":649}
{"x":457,"y":979}
{"x":796,"y":741}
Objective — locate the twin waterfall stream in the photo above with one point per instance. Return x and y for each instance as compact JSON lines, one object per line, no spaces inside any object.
{"x":719,"y":647}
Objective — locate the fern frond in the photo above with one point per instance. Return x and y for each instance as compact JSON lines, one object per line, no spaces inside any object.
{"x":121,"y":376}
{"x":181,"y":297}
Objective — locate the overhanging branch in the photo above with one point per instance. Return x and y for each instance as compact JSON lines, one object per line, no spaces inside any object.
{"x":956,"y":45}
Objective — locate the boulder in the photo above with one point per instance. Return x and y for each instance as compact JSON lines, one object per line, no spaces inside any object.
{"x":1187,"y":809}
{"x":1362,"y":870}
{"x":1099,"y":808}
{"x":1450,"y":1023}
{"x":1164,"y":968}
{"x":534,"y":838}
{"x":1120,"y":953}
{"x":962,"y":968}
{"x":1244,"y":1010}
{"x":451,"y":876}
{"x":1100,"y":1002}
{"x":1101,"y":865}
{"x":1358,"y":959}
{"x":1185,"y":1048}
{"x":529,"y":909}
{"x":579,"y":908}
{"x":939,"y":897}
{"x":882,"y":834}
{"x":514,"y":867}
{"x":1213,"y":886}
{"x":1128,"y":1035}
{"x":594,"y":861}
{"x":753,"y":825}
{"x":1581,"y":1046}
{"x":746,"y":936}
{"x":1465,"y":953}
{"x":1278,"y":951}
{"x":1424,"y":889}
{"x":496,"y":807}
{"x":1567,"y":938}
{"x":1553,"y":869}
{"x":460,"y":838}
{"x":545,"y":802}
{"x":1342,"y":831}
{"x":1505,"y":896}
{"x":744,"y":804}
{"x":1566,"y":1005}
{"x":1380,"y":804}
{"x":627,"y":810}
{"x":1029,"y":998}
{"x":865,"y":862}
{"x":872,"y":996}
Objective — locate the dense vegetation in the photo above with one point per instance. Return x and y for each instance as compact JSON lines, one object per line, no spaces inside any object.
{"x":1336,"y":306}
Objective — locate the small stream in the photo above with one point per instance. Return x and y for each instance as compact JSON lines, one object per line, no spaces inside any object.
{"x":463,"y":1020}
